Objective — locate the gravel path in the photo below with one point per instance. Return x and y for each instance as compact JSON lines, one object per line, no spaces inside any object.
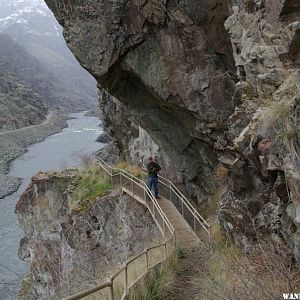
{"x":14,"y":143}
{"x":190,"y":280}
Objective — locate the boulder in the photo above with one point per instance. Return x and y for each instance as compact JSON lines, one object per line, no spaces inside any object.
{"x":104,"y":137}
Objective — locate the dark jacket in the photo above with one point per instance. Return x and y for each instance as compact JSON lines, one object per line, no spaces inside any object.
{"x":153,"y":168}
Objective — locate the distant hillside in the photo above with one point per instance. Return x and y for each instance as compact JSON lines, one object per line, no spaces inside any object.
{"x":23,"y":87}
{"x":30,"y":24}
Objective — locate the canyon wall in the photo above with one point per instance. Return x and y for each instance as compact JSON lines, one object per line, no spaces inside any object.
{"x":214,"y":84}
{"x":170,"y":67}
{"x":263,"y":192}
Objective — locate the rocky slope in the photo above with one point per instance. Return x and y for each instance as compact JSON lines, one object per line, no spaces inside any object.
{"x":24,"y":86}
{"x":31,"y":25}
{"x":65,"y":249}
{"x":206,"y":95}
{"x":263,"y":194}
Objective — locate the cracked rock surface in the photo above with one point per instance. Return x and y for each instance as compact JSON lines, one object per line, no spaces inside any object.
{"x":204,"y":83}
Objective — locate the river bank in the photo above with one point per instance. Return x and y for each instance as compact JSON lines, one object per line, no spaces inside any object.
{"x":14,"y":143}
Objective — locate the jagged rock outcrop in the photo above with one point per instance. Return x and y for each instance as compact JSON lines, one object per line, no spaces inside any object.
{"x":205,"y":94}
{"x":170,"y":67}
{"x":263,"y":193}
{"x":68,"y":250}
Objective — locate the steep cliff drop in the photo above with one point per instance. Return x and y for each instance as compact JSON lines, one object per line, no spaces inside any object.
{"x":70,"y":246}
{"x":167,"y":70}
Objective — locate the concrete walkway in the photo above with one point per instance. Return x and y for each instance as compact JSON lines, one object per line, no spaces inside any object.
{"x":185,"y":236}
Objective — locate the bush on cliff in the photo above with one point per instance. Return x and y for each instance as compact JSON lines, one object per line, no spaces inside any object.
{"x":284,"y":120}
{"x":90,"y":184}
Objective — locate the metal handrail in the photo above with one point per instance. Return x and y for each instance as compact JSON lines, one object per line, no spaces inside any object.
{"x":144,"y":186}
{"x":176,"y":191}
{"x":171,"y":239}
{"x":184,"y":201}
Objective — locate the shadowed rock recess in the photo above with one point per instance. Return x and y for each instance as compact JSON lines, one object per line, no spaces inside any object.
{"x":205,"y":94}
{"x":170,"y":69}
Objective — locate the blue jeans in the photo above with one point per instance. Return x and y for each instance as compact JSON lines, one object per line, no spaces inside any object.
{"x":153,"y":181}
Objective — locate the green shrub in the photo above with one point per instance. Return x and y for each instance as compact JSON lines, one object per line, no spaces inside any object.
{"x":88,"y":185}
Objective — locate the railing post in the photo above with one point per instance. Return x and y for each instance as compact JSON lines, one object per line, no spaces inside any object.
{"x":111,"y":291}
{"x":153,"y":209}
{"x":181,"y":206}
{"x":147,"y":260}
{"x":195,"y":220}
{"x":126,"y":279}
{"x":165,"y":249}
{"x":132,"y":185}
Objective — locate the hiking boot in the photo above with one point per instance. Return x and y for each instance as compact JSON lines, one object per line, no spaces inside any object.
{"x":157,"y":198}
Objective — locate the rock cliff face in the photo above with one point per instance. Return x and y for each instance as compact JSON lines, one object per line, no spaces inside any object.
{"x":205,"y":94}
{"x":67,"y":250}
{"x":263,"y":193}
{"x":21,"y":80}
{"x":170,"y":67}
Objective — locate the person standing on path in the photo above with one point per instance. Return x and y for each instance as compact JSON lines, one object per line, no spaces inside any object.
{"x":153,"y":168}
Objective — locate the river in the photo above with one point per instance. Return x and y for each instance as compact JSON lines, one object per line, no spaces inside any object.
{"x":57,"y":152}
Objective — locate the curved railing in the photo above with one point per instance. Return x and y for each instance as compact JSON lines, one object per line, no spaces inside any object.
{"x":118,"y":285}
{"x":169,"y":190}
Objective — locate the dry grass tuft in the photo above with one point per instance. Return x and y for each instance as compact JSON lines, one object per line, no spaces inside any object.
{"x":210,"y":209}
{"x":86,"y":160}
{"x":132,"y":169}
{"x":156,"y":285}
{"x":265,"y":271}
{"x":284,"y":120}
